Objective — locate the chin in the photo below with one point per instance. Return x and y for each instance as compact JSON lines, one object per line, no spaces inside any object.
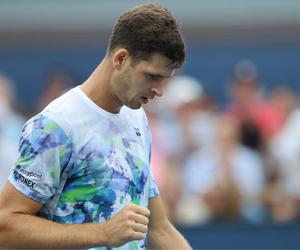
{"x":134,"y":105}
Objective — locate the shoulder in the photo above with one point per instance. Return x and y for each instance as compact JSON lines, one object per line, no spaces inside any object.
{"x":43,"y":132}
{"x":64,"y":106}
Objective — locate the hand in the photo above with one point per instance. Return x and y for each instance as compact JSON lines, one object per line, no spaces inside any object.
{"x":130,"y":223}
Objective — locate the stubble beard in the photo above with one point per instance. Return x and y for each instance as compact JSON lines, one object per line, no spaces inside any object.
{"x":126,"y":81}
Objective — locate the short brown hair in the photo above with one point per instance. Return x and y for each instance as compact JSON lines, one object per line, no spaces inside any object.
{"x":148,"y":29}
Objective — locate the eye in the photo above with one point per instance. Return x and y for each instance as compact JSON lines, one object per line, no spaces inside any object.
{"x":152,"y":77}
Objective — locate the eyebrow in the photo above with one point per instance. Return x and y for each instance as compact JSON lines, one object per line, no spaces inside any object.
{"x":157,"y":75}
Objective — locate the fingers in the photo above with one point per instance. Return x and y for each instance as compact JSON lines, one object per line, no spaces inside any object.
{"x":140,"y":228}
{"x":130,"y":223}
{"x":139,"y":219}
{"x":137,"y":236}
{"x":140,"y":210}
{"x":139,"y":216}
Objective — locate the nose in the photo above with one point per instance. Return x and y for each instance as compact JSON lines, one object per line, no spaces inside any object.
{"x":158,"y":89}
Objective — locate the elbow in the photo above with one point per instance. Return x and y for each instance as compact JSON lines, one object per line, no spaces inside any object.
{"x":158,"y":234}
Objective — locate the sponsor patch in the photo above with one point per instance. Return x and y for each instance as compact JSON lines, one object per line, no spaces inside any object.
{"x":35,"y":176}
{"x":20,"y":177}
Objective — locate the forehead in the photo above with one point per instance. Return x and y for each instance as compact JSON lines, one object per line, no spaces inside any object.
{"x":157,"y":64}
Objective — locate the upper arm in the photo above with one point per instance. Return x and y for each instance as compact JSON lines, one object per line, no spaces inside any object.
{"x":12,"y":201}
{"x":158,"y":217}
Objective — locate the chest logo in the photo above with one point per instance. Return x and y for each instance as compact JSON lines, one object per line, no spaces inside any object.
{"x":137,"y":132}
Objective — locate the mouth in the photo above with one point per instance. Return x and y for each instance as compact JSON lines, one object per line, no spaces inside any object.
{"x":144,"y":99}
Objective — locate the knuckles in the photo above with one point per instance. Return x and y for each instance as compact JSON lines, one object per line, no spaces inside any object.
{"x":131,"y":226}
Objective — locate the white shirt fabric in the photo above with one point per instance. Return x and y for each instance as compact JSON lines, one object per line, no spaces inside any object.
{"x":83,"y":163}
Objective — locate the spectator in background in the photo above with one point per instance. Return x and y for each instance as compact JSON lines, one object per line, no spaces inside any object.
{"x":283,"y":192}
{"x":249,"y":105}
{"x":227,"y":183}
{"x":11,"y":124}
{"x":183,"y":96}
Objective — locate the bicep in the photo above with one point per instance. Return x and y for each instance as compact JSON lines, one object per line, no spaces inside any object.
{"x":13,"y":201}
{"x":158,"y":218}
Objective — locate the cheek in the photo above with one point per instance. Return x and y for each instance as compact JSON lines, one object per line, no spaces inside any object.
{"x":140,"y":88}
{"x":121,"y":82}
{"x":134,"y":85}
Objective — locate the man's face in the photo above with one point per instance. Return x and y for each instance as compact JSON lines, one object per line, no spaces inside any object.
{"x":136,"y":83}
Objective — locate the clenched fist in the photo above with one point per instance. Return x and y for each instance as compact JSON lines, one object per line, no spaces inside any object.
{"x":130,"y":223}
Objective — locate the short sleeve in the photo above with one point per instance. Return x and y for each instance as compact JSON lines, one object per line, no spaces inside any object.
{"x":44,"y":151}
{"x":152,"y":189}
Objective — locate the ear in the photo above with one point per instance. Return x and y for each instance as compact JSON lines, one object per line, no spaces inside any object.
{"x":119,"y":58}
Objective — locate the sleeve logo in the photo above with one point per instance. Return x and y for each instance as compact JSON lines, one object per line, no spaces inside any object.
{"x":32,"y":175}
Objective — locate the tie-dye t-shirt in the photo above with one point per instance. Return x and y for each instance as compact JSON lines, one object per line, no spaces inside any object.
{"x":84,"y":164}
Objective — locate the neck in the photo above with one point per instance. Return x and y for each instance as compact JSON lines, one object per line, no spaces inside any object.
{"x":98,"y":87}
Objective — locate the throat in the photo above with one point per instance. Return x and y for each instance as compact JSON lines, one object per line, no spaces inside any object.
{"x":102,"y":98}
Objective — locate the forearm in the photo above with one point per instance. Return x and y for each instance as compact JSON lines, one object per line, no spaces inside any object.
{"x":167,"y":237}
{"x":27,"y":231}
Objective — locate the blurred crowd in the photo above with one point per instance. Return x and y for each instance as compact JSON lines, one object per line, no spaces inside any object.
{"x":235,"y":163}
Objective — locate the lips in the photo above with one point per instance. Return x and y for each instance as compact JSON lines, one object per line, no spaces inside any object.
{"x":144,"y":99}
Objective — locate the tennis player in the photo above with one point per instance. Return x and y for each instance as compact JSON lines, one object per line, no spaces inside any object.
{"x":83,"y":178}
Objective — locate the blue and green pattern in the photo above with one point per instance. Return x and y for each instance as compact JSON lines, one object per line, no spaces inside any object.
{"x":84,"y":177}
